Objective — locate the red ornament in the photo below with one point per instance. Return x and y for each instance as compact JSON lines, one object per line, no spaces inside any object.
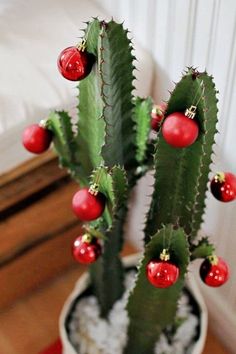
{"x":74,"y":63}
{"x":223,"y":186}
{"x":214,"y":271}
{"x":157,"y":115}
{"x":36,"y":138}
{"x":88,"y":205}
{"x":86,"y":249}
{"x":162,"y":274}
{"x":179,"y":130}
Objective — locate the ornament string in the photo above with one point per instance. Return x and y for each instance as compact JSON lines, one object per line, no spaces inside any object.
{"x":164,"y":239}
{"x":170,"y":238}
{"x":203,"y":92}
{"x":83,"y":44}
{"x":201,"y":86}
{"x":191,"y":111}
{"x":165,"y":255}
{"x":94,"y":188}
{"x":99,"y":176}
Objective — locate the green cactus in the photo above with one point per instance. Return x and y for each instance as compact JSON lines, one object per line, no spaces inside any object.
{"x":159,"y":307}
{"x":112,"y":143}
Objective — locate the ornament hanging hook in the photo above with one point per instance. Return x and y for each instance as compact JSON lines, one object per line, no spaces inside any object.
{"x":82,"y":45}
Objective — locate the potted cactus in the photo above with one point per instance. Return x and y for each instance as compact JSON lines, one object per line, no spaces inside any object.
{"x":107,"y":151}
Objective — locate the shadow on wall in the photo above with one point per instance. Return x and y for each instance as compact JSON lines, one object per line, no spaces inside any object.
{"x":141,"y":195}
{"x":162,"y":84}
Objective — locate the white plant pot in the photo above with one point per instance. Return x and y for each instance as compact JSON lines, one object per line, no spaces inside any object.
{"x":129,"y":261}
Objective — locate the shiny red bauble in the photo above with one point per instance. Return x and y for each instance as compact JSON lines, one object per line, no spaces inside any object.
{"x":179,"y":131}
{"x":88,"y":206}
{"x":162,"y":274}
{"x":74,"y":64}
{"x":36,"y":139}
{"x":157,"y":116}
{"x":223,"y":186}
{"x":214,"y":274}
{"x":86,"y":252}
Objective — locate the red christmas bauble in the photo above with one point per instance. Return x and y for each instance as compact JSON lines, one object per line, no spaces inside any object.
{"x":157,"y":115}
{"x":156,"y":121}
{"x":223,"y":186}
{"x":74,"y":64}
{"x":86,"y":252}
{"x":162,"y":274}
{"x":214,"y":274}
{"x":36,"y":139}
{"x":88,"y":206}
{"x":179,"y":131}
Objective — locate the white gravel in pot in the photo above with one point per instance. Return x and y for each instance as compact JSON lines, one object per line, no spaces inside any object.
{"x":91,"y":334}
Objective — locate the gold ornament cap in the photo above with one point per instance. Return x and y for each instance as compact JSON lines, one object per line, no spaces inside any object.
{"x":213,"y":259}
{"x":219,"y":177}
{"x":82,"y":46}
{"x":156,"y":109}
{"x":43,"y":123}
{"x":94,"y":189}
{"x":165,"y":255}
{"x":87,"y":238}
{"x":191,"y":112}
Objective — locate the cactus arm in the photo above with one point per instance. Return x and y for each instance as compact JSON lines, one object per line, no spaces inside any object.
{"x":102,"y":176}
{"x":90,"y":136}
{"x":182,"y":174}
{"x":202,"y":249}
{"x":108,"y":273}
{"x":150,"y":309}
{"x":81,"y":152}
{"x":91,"y":34}
{"x":209,"y":121}
{"x":143,"y":143}
{"x":90,"y":126}
{"x":64,"y":143}
{"x":142,"y":117}
{"x":116,"y":74}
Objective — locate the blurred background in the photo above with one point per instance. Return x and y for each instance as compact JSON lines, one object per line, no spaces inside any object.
{"x":37,"y":225}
